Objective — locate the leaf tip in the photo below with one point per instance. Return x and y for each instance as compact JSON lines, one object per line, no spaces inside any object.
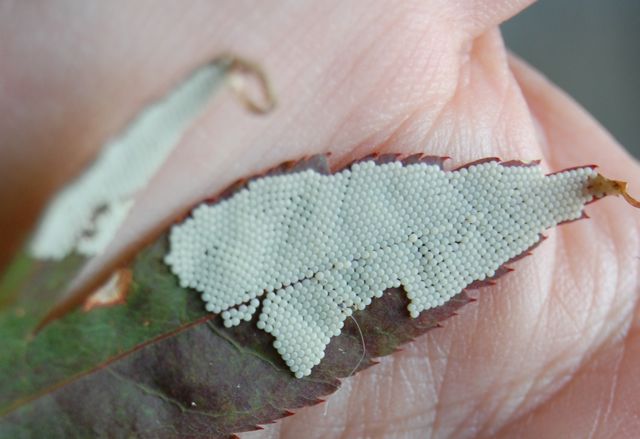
{"x":601,"y":186}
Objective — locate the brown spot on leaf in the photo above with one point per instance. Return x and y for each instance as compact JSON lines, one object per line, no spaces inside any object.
{"x":112,"y":292}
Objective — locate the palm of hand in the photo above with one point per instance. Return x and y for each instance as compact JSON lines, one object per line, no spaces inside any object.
{"x":550,"y":351}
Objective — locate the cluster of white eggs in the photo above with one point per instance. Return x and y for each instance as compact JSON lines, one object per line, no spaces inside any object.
{"x":321,"y":246}
{"x":85,"y":216}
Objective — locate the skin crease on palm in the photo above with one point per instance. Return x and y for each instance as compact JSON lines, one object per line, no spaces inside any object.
{"x":551,"y":351}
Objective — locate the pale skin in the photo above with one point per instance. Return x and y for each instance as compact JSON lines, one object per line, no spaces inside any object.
{"x":551,"y":351}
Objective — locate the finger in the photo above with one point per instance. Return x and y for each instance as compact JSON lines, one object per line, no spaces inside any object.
{"x":600,"y":398}
{"x":568,"y":132}
{"x":479,"y":16}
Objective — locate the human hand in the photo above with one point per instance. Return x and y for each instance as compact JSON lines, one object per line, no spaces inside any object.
{"x":549,"y":352}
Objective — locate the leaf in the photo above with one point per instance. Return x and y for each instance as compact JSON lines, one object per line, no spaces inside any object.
{"x":161,"y":366}
{"x":164,"y":362}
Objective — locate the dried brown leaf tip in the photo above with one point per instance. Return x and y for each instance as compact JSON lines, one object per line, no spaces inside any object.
{"x":249,"y":83}
{"x":601,"y":186}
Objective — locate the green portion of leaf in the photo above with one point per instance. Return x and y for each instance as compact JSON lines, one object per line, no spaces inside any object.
{"x":160,"y":366}
{"x":71,"y":346}
{"x":30,"y":286}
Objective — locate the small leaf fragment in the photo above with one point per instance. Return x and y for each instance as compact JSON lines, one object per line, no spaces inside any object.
{"x":602,"y":186}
